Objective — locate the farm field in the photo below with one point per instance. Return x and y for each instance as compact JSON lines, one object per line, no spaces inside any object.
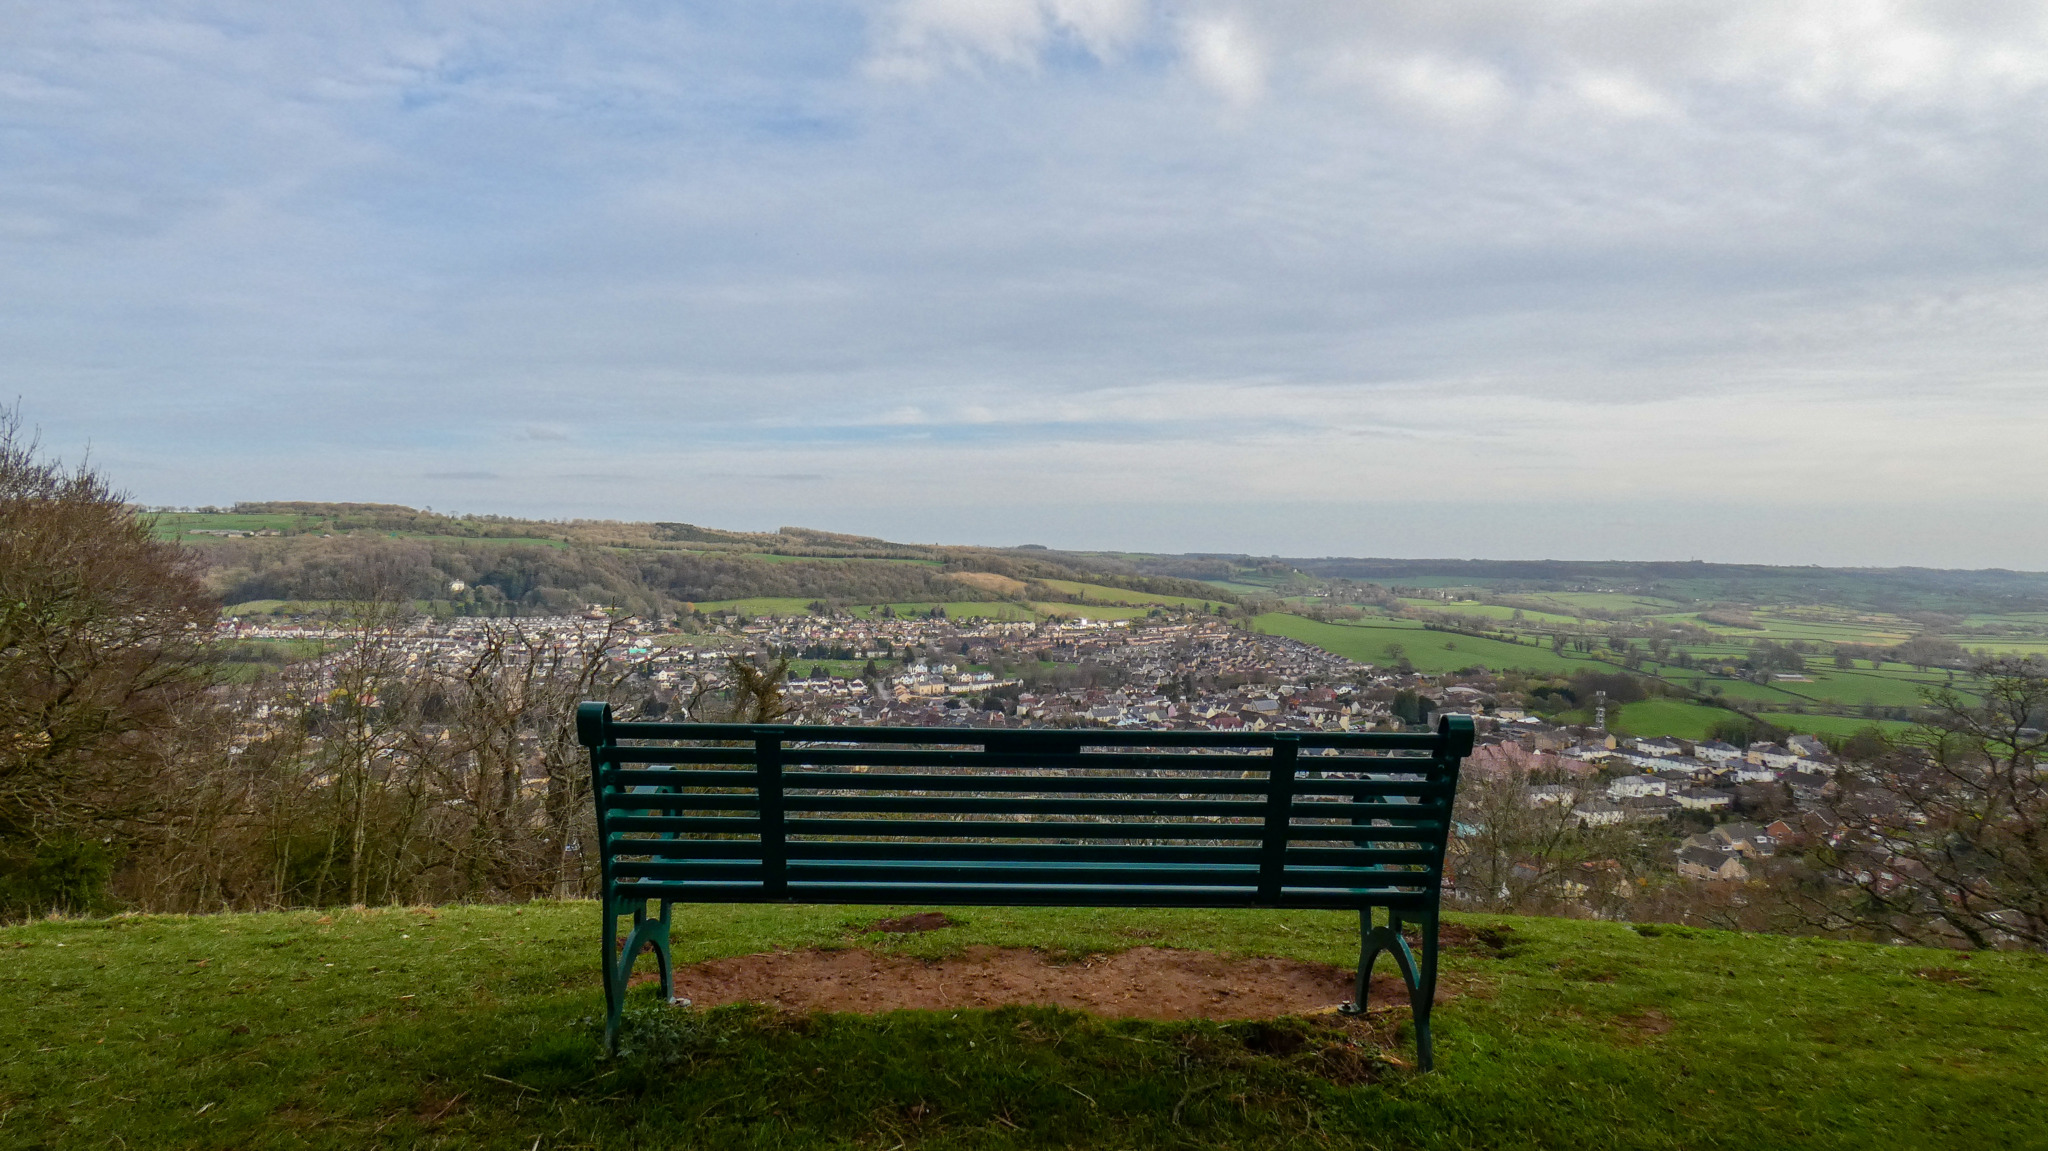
{"x":472,"y":1027}
{"x":1100,"y":593}
{"x":1619,"y":602}
{"x":179,"y":525}
{"x":1373,"y":642}
{"x":1503,"y":613}
{"x":1654,"y":717}
{"x":1839,"y":725}
{"x":1236,"y":588}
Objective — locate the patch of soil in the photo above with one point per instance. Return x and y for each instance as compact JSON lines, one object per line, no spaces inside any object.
{"x":1143,"y":982}
{"x":905,"y":924}
{"x":1494,"y":939}
{"x":1644,"y":1024}
{"x":1947,"y":975}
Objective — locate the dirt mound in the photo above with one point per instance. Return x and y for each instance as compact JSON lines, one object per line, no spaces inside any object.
{"x":1144,"y":982}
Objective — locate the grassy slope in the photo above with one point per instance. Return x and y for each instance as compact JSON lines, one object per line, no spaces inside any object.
{"x":1369,"y":642}
{"x":1652,"y":717}
{"x":1099,"y":593}
{"x":1831,"y":724}
{"x":468,"y":1027}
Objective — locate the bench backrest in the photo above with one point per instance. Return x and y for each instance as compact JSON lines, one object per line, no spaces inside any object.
{"x":733,"y":813}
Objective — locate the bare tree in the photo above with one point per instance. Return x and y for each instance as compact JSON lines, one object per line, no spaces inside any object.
{"x":1948,"y":841}
{"x":1520,"y":845}
{"x":101,"y":633}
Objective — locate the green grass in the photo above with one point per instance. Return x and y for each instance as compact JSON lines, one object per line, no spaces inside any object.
{"x":1498,"y":613}
{"x":1099,"y":593}
{"x":471,"y":1027}
{"x":1652,"y":717}
{"x":1373,"y":642}
{"x":1830,"y":724}
{"x":176,"y":525}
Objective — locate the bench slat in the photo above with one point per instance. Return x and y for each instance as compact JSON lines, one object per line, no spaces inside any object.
{"x":1023,"y":852}
{"x":979,"y":761}
{"x":980,"y":805}
{"x":1419,"y":830}
{"x":1003,"y":895}
{"x":1039,"y":741}
{"x":1083,"y":875}
{"x":1242,"y":784}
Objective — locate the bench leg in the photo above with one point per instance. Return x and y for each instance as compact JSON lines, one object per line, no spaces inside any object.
{"x":1422,"y":995}
{"x":618,"y":961}
{"x":1421,"y":981}
{"x":662,"y":958}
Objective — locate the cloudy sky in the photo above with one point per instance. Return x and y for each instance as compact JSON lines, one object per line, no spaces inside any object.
{"x":1749,"y":280}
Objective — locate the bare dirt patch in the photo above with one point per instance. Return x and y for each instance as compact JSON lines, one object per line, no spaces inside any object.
{"x":1645,"y":1024}
{"x":1494,"y":939}
{"x":1143,"y":982}
{"x":1947,"y":975}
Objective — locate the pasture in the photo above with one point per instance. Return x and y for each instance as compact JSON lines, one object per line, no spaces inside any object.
{"x":1385,"y":642}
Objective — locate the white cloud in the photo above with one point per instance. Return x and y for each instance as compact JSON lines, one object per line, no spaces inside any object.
{"x":921,"y":38}
{"x":1786,"y":253}
{"x":1226,"y":57}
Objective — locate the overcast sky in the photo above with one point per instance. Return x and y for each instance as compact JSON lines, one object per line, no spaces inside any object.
{"x":1752,"y":280}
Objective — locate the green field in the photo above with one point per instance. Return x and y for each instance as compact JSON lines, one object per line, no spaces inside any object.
{"x":178,"y":525}
{"x":472,"y":1027}
{"x":1373,"y":642}
{"x":1830,"y":724}
{"x":1496,"y":613}
{"x":1101,"y":594}
{"x":1653,"y":717}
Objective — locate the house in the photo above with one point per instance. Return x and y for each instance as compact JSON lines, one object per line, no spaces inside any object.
{"x":1549,"y":794}
{"x":1636,"y":785}
{"x":1743,"y":771}
{"x":1700,"y":863}
{"x":1660,"y":747}
{"x":1642,"y":808}
{"x":1809,"y":746}
{"x":1772,"y":755}
{"x":1599,"y":813}
{"x":1702,"y":798}
{"x":1716,"y":752}
{"x":1744,"y":838}
{"x":1809,"y":784}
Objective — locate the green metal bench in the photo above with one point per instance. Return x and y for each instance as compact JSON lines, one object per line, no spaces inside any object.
{"x":736,"y":813}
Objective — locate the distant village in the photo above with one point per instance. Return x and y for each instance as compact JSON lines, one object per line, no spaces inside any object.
{"x":1716,"y":808}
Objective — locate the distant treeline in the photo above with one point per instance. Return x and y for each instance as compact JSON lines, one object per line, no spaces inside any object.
{"x":533,"y":576}
{"x":1884,"y":589}
{"x":342,"y":551}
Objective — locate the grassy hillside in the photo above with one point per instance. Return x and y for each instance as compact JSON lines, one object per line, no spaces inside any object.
{"x":1375,"y":642}
{"x":471,"y":1027}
